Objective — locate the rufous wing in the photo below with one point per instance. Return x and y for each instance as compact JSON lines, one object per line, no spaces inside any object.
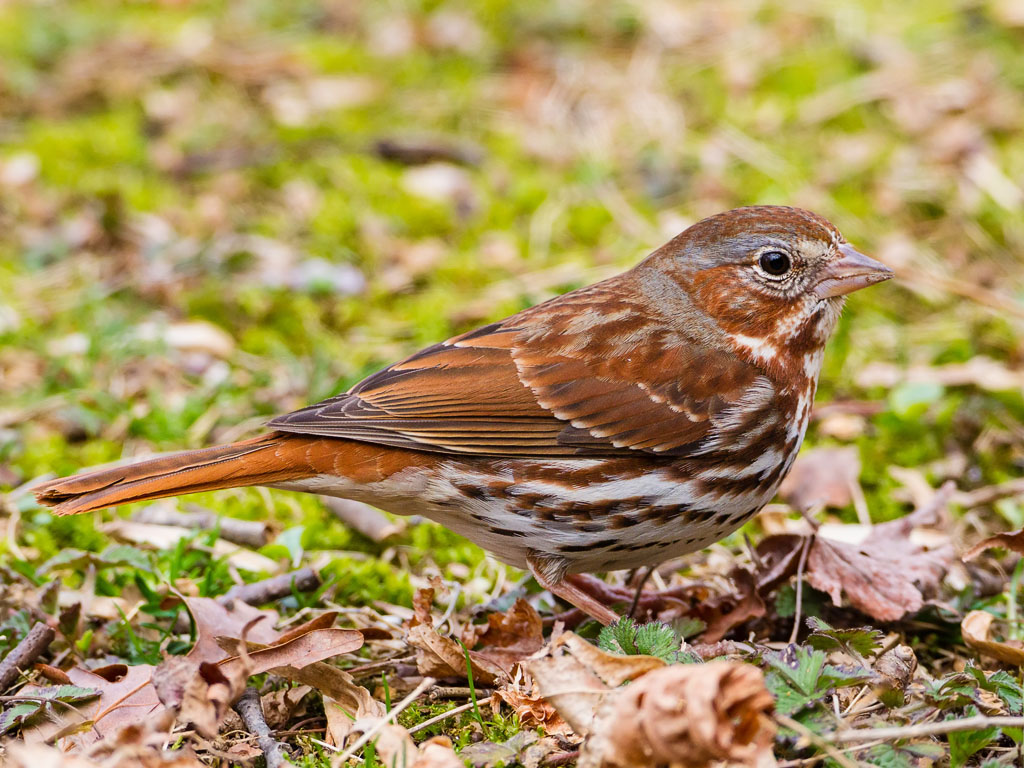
{"x":581,"y":375}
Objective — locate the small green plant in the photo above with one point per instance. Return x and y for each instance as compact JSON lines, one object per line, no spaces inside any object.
{"x":857,"y":642}
{"x":800,"y":678}
{"x":654,"y":639}
{"x":24,"y":709}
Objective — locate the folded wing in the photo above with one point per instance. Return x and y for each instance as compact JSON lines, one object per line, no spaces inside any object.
{"x":585,"y":374}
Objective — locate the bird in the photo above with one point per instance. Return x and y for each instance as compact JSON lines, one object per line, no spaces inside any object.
{"x":619,"y":425}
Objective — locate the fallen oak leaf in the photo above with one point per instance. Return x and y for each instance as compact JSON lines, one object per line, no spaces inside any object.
{"x":876,"y":585}
{"x":886,"y":574}
{"x":439,"y":657}
{"x":507,"y":637}
{"x":1013,"y":541}
{"x":575,"y":677}
{"x":685,"y":714}
{"x":323,"y":621}
{"x":127,"y":697}
{"x":298,"y":652}
{"x":976,"y":629}
{"x":210,"y":693}
{"x":532,"y":709}
{"x":213,"y":620}
{"x":335,"y":684}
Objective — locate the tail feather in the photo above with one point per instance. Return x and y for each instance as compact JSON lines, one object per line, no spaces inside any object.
{"x":261,"y":460}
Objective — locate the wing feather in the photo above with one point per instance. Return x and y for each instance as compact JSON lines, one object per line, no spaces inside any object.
{"x":587,"y":373}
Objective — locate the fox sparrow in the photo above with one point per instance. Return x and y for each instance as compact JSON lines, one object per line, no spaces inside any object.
{"x":618,"y":425}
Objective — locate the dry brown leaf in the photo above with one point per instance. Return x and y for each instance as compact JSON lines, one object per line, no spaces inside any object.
{"x":612,"y":668}
{"x":215,"y":620}
{"x":335,"y":684}
{"x":127,"y":697}
{"x":422,"y":601}
{"x":895,"y":669}
{"x":437,"y":752}
{"x":395,"y":746}
{"x":507,"y":638}
{"x":886,"y":574}
{"x":1012,"y":541}
{"x":875,"y":585}
{"x":686,"y":715}
{"x":532,"y":709}
{"x":441,"y":657}
{"x":724,"y":612}
{"x":284,"y":704}
{"x":323,"y":621}
{"x":171,"y":677}
{"x":298,"y":652}
{"x":976,"y":628}
{"x":20,"y":755}
{"x":576,"y":677}
{"x":823,"y":476}
{"x":211,"y":692}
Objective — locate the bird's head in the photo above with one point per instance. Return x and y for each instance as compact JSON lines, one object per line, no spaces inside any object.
{"x":773,"y":278}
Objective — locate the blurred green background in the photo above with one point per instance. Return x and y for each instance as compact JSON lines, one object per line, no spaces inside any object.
{"x":212,"y":212}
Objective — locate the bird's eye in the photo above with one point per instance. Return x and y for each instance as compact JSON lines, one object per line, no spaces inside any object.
{"x":774,"y":263}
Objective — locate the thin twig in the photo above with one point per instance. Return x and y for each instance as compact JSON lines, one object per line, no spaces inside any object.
{"x":458,"y":692}
{"x":443,"y":716}
{"x":639,"y":591}
{"x":248,"y":533}
{"x":800,"y":588}
{"x":379,"y":726}
{"x":818,"y":741}
{"x":373,"y":667}
{"x":24,"y":654}
{"x":268,"y":590}
{"x":250,"y":709}
{"x":925,"y":729}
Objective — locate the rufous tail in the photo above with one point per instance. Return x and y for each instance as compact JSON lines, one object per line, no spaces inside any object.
{"x":270,"y":458}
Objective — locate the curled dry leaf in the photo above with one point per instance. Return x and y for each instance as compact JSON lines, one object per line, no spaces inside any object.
{"x":210,"y":693}
{"x":532,"y":709}
{"x":976,"y":628}
{"x":575,"y":677}
{"x":299,"y":652}
{"x":886,"y":573}
{"x":690,"y":715}
{"x":440,"y":657}
{"x":214,"y":620}
{"x":823,"y":476}
{"x":507,"y":638}
{"x":395,"y":746}
{"x":1012,"y":541}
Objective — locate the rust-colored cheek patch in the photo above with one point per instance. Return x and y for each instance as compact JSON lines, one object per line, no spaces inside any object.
{"x":725,"y":295}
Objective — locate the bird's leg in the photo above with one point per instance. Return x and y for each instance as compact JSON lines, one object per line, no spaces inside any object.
{"x":648,"y":570}
{"x":550,"y":574}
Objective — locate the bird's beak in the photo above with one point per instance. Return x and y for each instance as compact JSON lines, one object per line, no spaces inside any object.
{"x":850,"y":272}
